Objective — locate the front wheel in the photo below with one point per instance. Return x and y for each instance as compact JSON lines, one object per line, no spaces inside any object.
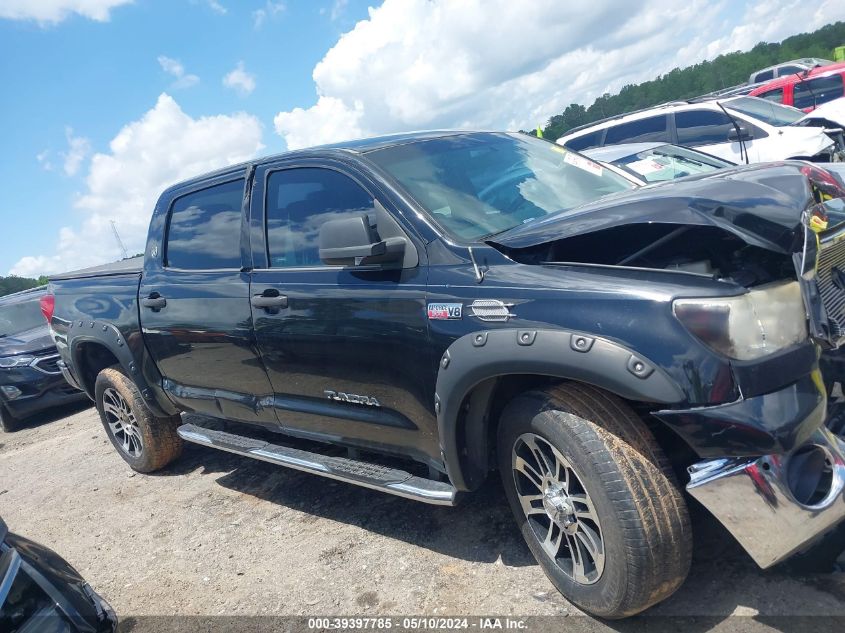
{"x":595,"y":499}
{"x":8,"y":422}
{"x":144,"y":441}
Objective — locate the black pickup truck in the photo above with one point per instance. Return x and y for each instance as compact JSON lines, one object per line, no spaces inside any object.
{"x":410,"y":313}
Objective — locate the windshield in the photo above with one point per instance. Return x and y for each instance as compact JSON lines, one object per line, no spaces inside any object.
{"x":20,"y":316}
{"x":668,"y":162}
{"x":763,"y":110}
{"x":476,"y":185}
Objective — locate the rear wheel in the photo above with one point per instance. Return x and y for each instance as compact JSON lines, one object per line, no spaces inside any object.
{"x":595,"y":499}
{"x":8,"y":422}
{"x":145,"y":442}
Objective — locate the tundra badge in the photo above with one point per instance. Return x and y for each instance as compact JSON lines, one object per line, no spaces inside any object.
{"x":351,"y":397}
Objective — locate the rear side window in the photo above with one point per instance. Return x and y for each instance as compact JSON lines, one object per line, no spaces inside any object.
{"x":298,"y":202}
{"x":205,"y":228}
{"x":766,"y":75}
{"x":701,"y":127}
{"x":775,"y":95}
{"x":651,"y":129}
{"x":593,"y":139}
{"x":21,"y":316}
{"x":814,"y":92}
{"x":788,"y":70}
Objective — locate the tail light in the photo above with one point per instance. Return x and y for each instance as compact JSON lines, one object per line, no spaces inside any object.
{"x":48,"y":304}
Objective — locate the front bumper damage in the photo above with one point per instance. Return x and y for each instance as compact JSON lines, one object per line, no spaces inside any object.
{"x":776,"y":505}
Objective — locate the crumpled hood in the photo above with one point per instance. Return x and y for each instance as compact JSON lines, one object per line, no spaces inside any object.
{"x":833,"y":111}
{"x":761,"y":204}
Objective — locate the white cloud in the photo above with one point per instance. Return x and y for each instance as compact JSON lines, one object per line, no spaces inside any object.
{"x":269,"y":10}
{"x":336,"y":121}
{"x":43,"y":159}
{"x":338,"y":7}
{"x":175,"y":68}
{"x":163,"y":147}
{"x":54,"y":11}
{"x":218,"y":8}
{"x":500,"y":64}
{"x":240,"y":80}
{"x":78,"y":150}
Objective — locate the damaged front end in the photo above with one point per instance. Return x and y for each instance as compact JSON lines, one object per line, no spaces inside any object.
{"x":774,"y":237}
{"x":776,"y":505}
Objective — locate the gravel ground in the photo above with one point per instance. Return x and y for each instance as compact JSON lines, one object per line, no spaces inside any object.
{"x":218,"y":534}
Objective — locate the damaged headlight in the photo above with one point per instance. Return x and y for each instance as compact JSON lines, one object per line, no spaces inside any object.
{"x":8,"y":362}
{"x":760,"y":322}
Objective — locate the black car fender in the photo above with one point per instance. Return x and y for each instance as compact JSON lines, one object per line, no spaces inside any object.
{"x":479,"y":356}
{"x":144,"y":374}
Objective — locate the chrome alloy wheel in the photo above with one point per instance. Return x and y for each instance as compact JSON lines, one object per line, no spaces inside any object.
{"x":122,"y":423}
{"x":558,"y":508}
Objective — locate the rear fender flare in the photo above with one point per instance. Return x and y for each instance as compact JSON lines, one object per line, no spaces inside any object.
{"x":563,"y":354}
{"x":108,"y":336}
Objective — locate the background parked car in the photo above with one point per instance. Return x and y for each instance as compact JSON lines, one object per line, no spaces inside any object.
{"x":40,"y":592}
{"x":30,"y":378}
{"x":644,"y":163}
{"x":738,"y":129}
{"x":787,"y":68}
{"x":805,"y":90}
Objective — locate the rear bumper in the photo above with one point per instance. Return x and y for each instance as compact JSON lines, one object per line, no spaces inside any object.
{"x":776,"y":505}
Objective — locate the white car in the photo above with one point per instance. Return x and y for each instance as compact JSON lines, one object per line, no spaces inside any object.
{"x":787,"y":68}
{"x":739,"y":129}
{"x":646,"y":163}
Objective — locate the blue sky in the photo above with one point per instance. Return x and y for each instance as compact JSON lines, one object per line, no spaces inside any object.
{"x":94,"y":77}
{"x":106,"y":102}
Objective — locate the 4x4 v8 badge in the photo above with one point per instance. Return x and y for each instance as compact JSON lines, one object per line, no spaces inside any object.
{"x":443,"y":311}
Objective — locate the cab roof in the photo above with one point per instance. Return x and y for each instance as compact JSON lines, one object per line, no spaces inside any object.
{"x":355,"y":146}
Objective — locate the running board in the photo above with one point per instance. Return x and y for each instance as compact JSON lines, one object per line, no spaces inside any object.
{"x":391,"y":480}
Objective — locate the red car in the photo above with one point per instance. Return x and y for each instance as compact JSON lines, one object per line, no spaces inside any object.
{"x":807,"y":89}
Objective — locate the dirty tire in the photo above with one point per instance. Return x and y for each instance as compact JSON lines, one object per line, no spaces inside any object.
{"x":8,"y":422}
{"x":158,"y":443}
{"x":639,"y":508}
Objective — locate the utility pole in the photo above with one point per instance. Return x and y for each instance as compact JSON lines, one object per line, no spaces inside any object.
{"x":119,"y":241}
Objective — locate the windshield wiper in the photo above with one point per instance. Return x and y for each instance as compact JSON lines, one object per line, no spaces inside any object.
{"x":484,"y":238}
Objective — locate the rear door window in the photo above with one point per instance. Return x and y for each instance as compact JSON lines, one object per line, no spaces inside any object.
{"x":204,"y":230}
{"x":766,"y":75}
{"x":788,"y":70}
{"x":775,"y":95}
{"x":653,"y":128}
{"x":702,"y":127}
{"x":593,"y":139}
{"x":814,"y":92}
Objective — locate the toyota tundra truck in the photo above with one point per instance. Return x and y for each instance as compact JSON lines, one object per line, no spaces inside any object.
{"x":412,"y":313}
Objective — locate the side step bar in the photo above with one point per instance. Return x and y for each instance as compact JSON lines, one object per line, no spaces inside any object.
{"x":391,"y":480}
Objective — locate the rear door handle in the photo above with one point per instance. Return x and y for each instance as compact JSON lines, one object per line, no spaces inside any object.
{"x":269,"y":301}
{"x":154,"y":301}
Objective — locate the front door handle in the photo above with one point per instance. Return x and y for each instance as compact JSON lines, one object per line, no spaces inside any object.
{"x":154,"y":301}
{"x":270,"y":300}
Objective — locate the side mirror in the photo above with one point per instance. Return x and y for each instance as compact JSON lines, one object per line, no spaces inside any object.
{"x":354,"y":242}
{"x":742,"y":135}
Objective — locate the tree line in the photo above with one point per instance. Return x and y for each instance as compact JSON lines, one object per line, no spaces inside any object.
{"x":722,"y":72}
{"x":13,"y":283}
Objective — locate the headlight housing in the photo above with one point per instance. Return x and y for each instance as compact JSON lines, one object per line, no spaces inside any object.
{"x":8,"y":362}
{"x":755,"y":324}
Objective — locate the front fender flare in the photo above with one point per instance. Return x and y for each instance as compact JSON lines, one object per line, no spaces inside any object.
{"x":562,"y":354}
